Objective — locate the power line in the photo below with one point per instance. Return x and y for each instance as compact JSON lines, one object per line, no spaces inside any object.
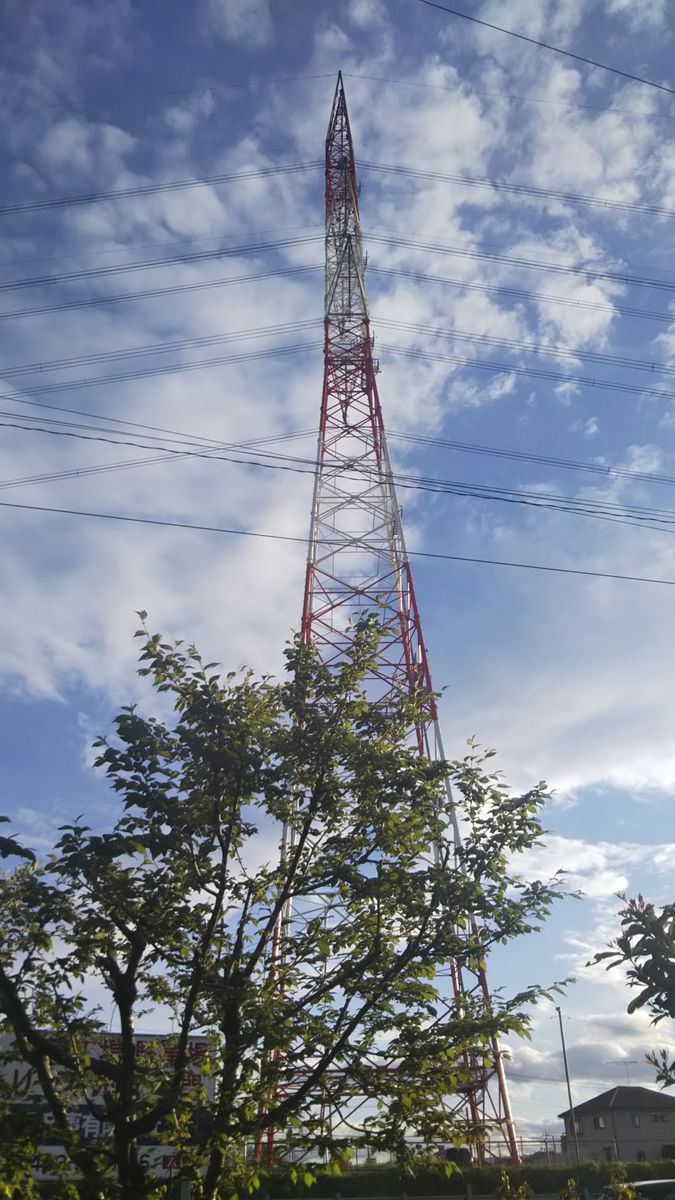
{"x":165,"y":347}
{"x":304,"y":347}
{"x":152,"y":189}
{"x":382,"y":238}
{"x":168,"y":455}
{"x":283,"y":537}
{"x":519,"y":189}
{"x":590,"y":62}
{"x":207,"y":86}
{"x":282,"y":272}
{"x":531,"y":264}
{"x":608,"y":471}
{"x":29,"y":399}
{"x":191,"y":343}
{"x":530,"y":99}
{"x":200,"y":364}
{"x":151,"y":263}
{"x":633,"y":389}
{"x":592,"y":356}
{"x":538,"y":459}
{"x":499,"y":452}
{"x":494,"y":451}
{"x":521,"y":294}
{"x":637,"y":516}
{"x":172,"y":290}
{"x":160,"y":432}
{"x":604,"y":471}
{"x":174,"y":185}
{"x":162,"y":244}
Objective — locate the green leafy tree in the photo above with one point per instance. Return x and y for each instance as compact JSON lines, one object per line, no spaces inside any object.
{"x":645,"y":948}
{"x":329,"y":962}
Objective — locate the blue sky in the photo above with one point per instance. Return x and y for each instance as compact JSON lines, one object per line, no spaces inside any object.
{"x":570,"y":678}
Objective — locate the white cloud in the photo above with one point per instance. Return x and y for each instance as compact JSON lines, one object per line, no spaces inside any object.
{"x":577,"y":322}
{"x":73,"y":145}
{"x":599,"y":869}
{"x":551,"y":16}
{"x":598,"y":153}
{"x":462,"y":393}
{"x":183,"y":118}
{"x":639,"y":16}
{"x":588,"y":427}
{"x":592,"y":703}
{"x":566,"y":392}
{"x":646,"y":459}
{"x":248,"y":22}
{"x":366,"y":13}
{"x":665,"y":344}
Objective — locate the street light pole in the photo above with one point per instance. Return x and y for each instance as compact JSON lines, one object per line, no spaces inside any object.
{"x":569,"y":1089}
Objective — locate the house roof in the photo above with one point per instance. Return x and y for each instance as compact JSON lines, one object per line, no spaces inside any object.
{"x":624,"y":1098}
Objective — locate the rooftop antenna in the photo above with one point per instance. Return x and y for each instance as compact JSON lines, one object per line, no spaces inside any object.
{"x":625,"y":1063}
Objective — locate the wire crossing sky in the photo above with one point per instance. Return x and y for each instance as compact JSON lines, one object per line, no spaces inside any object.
{"x":590,"y":62}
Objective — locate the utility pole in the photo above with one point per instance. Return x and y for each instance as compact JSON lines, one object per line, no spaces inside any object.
{"x":569,"y":1089}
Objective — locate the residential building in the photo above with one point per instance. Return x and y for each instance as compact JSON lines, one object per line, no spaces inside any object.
{"x":625,"y":1124}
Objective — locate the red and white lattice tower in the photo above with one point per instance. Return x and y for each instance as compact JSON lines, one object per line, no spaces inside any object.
{"x":357,"y":559}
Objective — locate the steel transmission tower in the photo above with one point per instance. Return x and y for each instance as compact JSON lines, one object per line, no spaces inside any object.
{"x":357,"y":559}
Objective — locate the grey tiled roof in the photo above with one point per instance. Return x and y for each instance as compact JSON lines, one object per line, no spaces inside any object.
{"x":630,"y":1099}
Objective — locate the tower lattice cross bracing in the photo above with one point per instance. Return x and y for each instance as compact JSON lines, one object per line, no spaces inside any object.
{"x":357,"y":560}
{"x":357,"y":556}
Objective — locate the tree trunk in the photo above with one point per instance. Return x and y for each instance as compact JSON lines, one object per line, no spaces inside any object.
{"x":214,"y":1175}
{"x":133,"y":1180}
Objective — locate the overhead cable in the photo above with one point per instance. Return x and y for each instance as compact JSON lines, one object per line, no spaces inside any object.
{"x":175,"y":289}
{"x":609,"y":385}
{"x":162,"y":347}
{"x":304,"y":347}
{"x":382,"y":237}
{"x":28,"y":399}
{"x":434,"y":556}
{"x":148,"y":264}
{"x":521,"y":294}
{"x":179,"y":368}
{"x":590,"y":62}
{"x":207,"y":86}
{"x":157,"y":244}
{"x":152,"y":189}
{"x":466,"y":90}
{"x":389,"y":272}
{"x":263,"y":331}
{"x":126,"y":463}
{"x":606,"y":470}
{"x":536,"y":348}
{"x":637,"y":516}
{"x":519,"y":189}
{"x":399,"y":169}
{"x":531,"y":264}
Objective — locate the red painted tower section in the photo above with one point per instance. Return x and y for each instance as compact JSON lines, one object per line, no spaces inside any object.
{"x":357,"y":560}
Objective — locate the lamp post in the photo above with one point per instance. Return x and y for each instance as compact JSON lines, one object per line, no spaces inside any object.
{"x":569,"y":1089}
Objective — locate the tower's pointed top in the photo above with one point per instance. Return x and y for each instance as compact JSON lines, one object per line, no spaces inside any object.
{"x":339,"y":100}
{"x":339,"y":116}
